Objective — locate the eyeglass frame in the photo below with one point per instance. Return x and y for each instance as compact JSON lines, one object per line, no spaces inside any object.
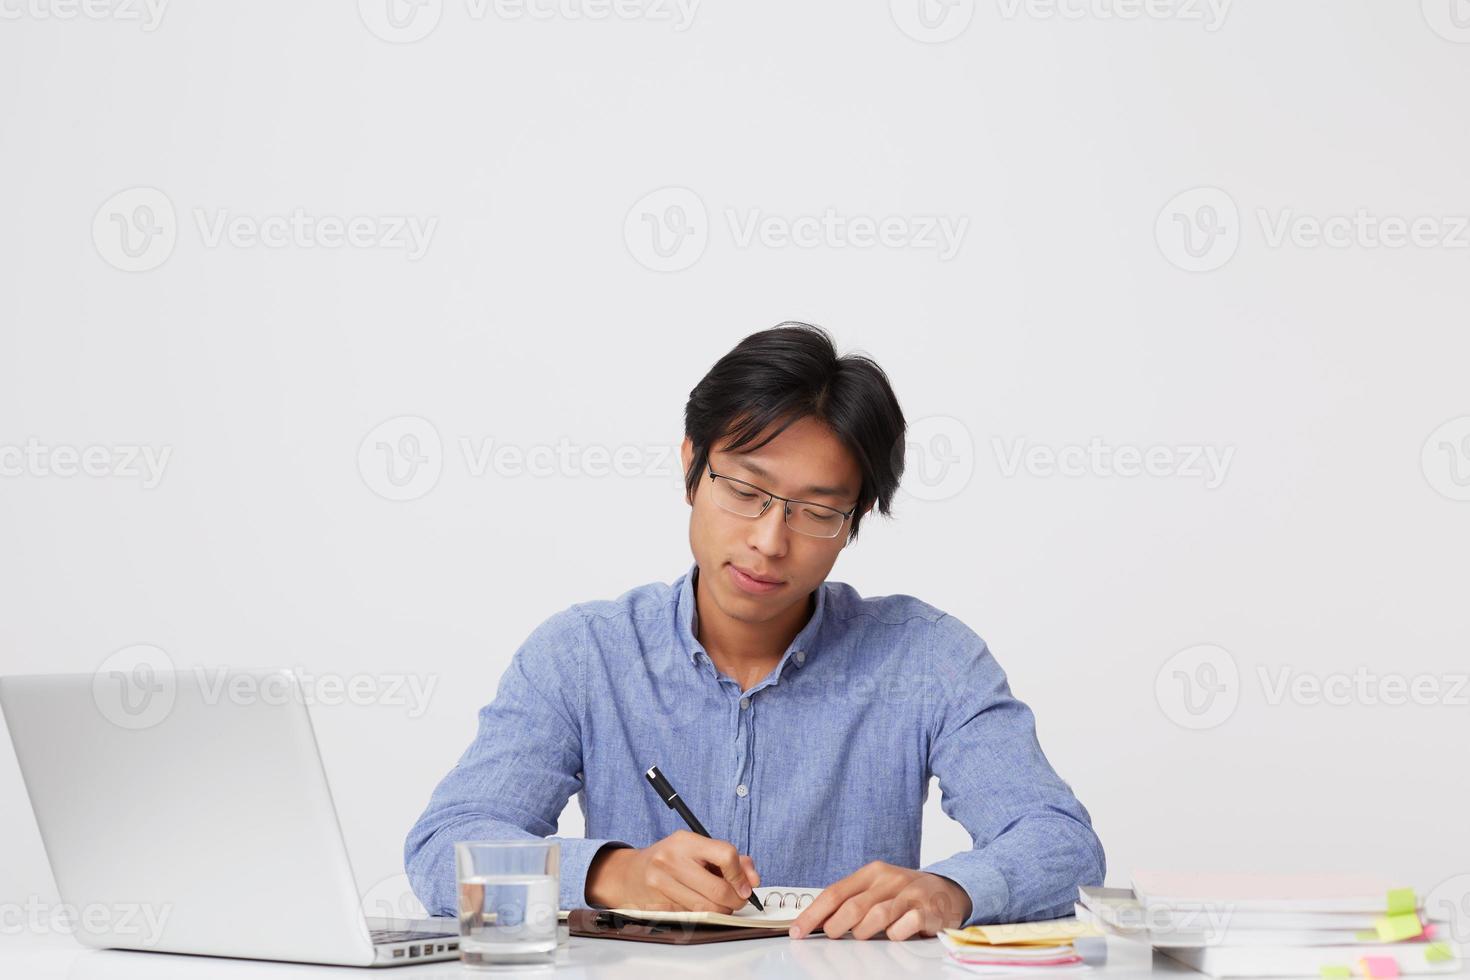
{"x":787,"y":502}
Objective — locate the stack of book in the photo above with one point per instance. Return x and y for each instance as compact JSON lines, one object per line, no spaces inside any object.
{"x":1261,"y":925}
{"x":1026,"y":946}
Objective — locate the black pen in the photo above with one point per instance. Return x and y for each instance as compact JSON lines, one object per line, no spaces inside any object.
{"x":669,"y":795}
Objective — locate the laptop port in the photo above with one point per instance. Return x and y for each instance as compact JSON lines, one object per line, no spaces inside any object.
{"x":453,"y":947}
{"x":398,"y":953}
{"x":413,"y":951}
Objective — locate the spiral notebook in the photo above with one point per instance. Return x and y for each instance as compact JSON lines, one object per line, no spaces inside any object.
{"x":783,"y":905}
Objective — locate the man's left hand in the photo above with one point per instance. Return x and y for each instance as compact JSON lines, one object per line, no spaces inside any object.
{"x":881,"y":897}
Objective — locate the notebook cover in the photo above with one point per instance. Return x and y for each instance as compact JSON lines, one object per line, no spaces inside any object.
{"x":609,"y":925}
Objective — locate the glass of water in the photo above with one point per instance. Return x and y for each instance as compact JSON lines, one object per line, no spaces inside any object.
{"x":508,"y":892}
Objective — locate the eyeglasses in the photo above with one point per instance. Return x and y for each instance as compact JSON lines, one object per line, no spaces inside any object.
{"x":748,"y":500}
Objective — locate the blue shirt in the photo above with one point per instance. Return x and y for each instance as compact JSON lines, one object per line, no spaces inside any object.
{"x":820,"y":768}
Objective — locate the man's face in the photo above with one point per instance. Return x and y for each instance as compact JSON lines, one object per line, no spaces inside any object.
{"x":806,"y":462}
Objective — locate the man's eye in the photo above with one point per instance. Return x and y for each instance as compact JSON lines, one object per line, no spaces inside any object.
{"x":743,"y":494}
{"x":821,"y":515}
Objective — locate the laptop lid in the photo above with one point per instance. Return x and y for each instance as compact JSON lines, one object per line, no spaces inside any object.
{"x":188,"y":812}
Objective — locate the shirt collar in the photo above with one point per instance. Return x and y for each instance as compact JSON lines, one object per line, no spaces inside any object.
{"x":686,"y":615}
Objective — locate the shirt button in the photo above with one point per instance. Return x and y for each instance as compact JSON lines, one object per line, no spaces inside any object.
{"x":744,"y":703}
{"x":800,"y":657}
{"x":741,"y":791}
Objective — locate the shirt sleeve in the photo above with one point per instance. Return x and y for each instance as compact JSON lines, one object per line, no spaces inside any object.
{"x":519,"y":772}
{"x":1033,"y":840}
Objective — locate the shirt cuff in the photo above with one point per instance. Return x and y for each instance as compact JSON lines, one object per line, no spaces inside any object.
{"x":987,"y":888}
{"x":576,"y":857}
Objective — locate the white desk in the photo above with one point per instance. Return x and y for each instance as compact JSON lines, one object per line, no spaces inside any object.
{"x":58,"y":957}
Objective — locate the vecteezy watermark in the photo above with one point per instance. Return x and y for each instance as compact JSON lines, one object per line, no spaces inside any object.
{"x":1198,"y":687}
{"x":932,"y":21}
{"x":1445,"y":459}
{"x":1449,"y":902}
{"x":393,"y":898}
{"x":137,"y":687}
{"x":1450,"y":19}
{"x":1363,"y":686}
{"x":668,"y":230}
{"x":40,"y":460}
{"x":1201,"y":687}
{"x":362,"y":689}
{"x":1363,"y":229}
{"x":404,"y":457}
{"x":1201,"y":229}
{"x":147,"y":14}
{"x":142,"y":923}
{"x":406,"y":21}
{"x":135,"y":230}
{"x":939,"y":458}
{"x":1210,"y":13}
{"x":1208,"y":464}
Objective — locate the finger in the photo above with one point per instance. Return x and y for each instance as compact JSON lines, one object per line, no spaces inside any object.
{"x":751,"y":875}
{"x":722,"y":856}
{"x":681,"y":898}
{"x":910,"y":924}
{"x":699,"y":877}
{"x":879,"y":917}
{"x":830,"y":899}
{"x":849,"y":914}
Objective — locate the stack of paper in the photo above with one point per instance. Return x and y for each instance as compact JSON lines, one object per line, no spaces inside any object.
{"x":1023,"y":947}
{"x":1254,"y":925}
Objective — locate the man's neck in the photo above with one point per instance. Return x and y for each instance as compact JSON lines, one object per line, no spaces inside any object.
{"x":746,"y":652}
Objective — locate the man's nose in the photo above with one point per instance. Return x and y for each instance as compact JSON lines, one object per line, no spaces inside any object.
{"x":768,"y":531}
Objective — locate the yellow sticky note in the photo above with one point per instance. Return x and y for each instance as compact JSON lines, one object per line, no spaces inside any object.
{"x":1366,"y":936}
{"x":1438,"y":953}
{"x":1397,"y":928}
{"x":1027,"y":933}
{"x":1400,"y":901}
{"x":1335,"y":971}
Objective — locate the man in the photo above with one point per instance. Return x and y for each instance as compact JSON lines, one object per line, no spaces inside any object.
{"x":798,"y":720}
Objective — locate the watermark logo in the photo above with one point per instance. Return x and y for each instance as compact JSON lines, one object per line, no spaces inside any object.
{"x":1208,"y":464}
{"x":135,"y":229}
{"x":940,"y":233}
{"x":932,"y":21}
{"x":400,"y":21}
{"x":667,"y":230}
{"x":393,"y":898}
{"x":37,"y":459}
{"x":1199,"y":229}
{"x":1445,"y":459}
{"x":1210,"y":13}
{"x":142,"y":923}
{"x":1449,"y":902}
{"x":135,"y":687}
{"x":1450,"y":19}
{"x":939,"y":458}
{"x":1198,"y":687}
{"x":402,"y":458}
{"x":147,"y":14}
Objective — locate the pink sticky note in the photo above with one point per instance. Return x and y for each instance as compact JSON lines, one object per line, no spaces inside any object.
{"x":1380,"y":967}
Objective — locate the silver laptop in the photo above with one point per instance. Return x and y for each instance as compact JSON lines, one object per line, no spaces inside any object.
{"x":188,"y":812}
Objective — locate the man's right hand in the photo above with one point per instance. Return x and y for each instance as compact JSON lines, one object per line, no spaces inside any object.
{"x":682,"y":872}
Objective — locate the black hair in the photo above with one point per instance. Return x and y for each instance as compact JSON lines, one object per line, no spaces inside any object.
{"x":778,"y":376}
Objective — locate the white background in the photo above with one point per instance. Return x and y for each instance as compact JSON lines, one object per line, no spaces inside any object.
{"x":1335,"y":541}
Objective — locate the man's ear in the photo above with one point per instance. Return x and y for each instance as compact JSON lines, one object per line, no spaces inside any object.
{"x":686,"y":457}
